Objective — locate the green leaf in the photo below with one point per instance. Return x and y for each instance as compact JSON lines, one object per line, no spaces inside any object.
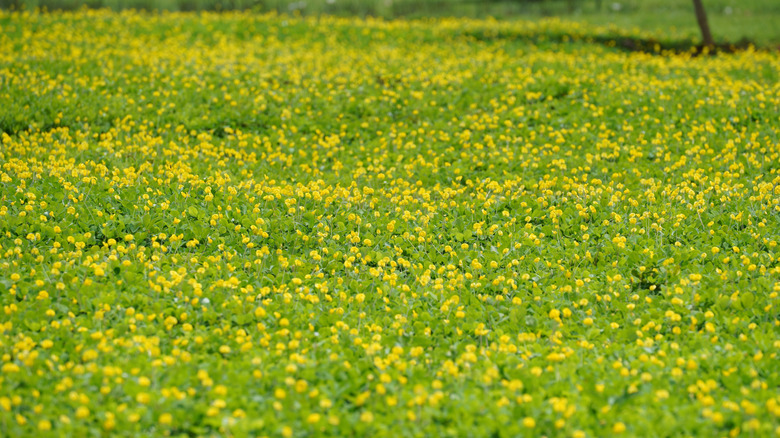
{"x":746,"y":300}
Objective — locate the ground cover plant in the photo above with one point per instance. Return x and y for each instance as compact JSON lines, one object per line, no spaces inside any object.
{"x":732,"y":21}
{"x":262,"y":225}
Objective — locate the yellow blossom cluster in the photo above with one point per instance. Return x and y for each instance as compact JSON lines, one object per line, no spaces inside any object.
{"x":261,"y":225}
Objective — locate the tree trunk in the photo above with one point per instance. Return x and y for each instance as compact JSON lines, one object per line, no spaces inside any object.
{"x":701,"y":17}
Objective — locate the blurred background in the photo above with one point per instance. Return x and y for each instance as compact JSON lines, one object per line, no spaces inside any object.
{"x":730,"y":20}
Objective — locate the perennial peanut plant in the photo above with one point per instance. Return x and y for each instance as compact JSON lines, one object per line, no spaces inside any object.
{"x":261,"y":225}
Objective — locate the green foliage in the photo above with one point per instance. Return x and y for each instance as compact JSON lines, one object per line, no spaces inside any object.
{"x":732,"y":21}
{"x":248,"y":225}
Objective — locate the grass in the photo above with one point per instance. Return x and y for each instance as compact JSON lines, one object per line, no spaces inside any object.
{"x":273,"y":225}
{"x":731,"y":20}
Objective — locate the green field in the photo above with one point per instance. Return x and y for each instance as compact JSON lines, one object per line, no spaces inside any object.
{"x":757,"y":21}
{"x":273,"y":225}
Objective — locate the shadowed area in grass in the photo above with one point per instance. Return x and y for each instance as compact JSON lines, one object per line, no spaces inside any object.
{"x":626,"y":43}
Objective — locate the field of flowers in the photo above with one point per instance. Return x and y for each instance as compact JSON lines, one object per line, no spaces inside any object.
{"x":243,"y":225}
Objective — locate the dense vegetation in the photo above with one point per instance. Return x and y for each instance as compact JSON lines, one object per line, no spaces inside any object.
{"x":248,"y":225}
{"x":732,"y":21}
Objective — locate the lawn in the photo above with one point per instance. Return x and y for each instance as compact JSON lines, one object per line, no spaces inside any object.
{"x":272,"y":225}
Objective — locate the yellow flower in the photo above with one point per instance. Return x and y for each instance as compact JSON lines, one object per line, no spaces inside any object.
{"x":44,"y":425}
{"x":9,"y":367}
{"x":82,"y":412}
